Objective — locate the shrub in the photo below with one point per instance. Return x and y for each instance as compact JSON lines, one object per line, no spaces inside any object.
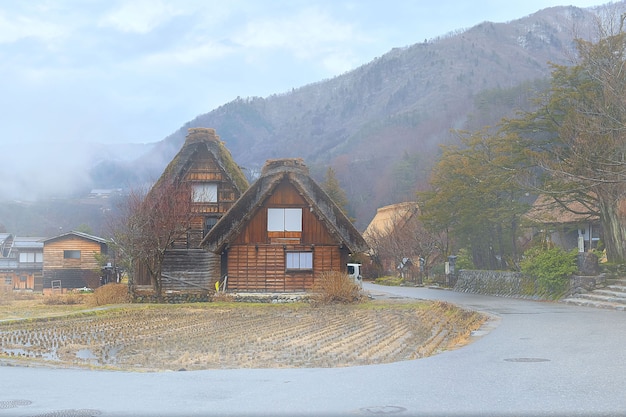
{"x":388,"y":280}
{"x":110,"y":294}
{"x":551,"y":268}
{"x":336,"y":287}
{"x":613,"y":270}
{"x":464,"y":260}
{"x":63,"y":299}
{"x":6,"y":295}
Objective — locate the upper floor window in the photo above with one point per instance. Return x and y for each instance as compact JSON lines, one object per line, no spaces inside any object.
{"x":284,"y":219}
{"x":205,"y":192}
{"x":71,"y":254}
{"x":31,"y":257}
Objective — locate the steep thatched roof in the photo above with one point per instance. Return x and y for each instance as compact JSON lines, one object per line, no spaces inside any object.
{"x":546,"y":210}
{"x":197,"y":139}
{"x":388,"y":218}
{"x":296,"y":172}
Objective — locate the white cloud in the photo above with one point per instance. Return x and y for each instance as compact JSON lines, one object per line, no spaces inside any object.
{"x":140,"y":16}
{"x":202,"y":52}
{"x":308,"y":35}
{"x":14,"y":28}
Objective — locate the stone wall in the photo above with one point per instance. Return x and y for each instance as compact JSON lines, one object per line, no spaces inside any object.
{"x":514,"y":284}
{"x":581,"y":284}
{"x":273,"y":298}
{"x":172,"y":298}
{"x":169,"y":297}
{"x":500,"y":283}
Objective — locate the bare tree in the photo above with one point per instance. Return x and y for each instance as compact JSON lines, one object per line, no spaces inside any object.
{"x":149,"y":224}
{"x":403,"y":237}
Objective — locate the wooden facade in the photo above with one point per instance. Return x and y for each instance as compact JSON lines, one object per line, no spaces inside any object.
{"x":70,"y":261}
{"x":215,"y":182}
{"x":21,"y":263}
{"x":260,"y":254}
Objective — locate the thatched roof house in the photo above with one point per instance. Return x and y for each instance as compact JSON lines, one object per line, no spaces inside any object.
{"x":201,"y":145}
{"x":568,"y":225}
{"x":283,"y":232}
{"x":390,"y":218}
{"x":215,"y":182}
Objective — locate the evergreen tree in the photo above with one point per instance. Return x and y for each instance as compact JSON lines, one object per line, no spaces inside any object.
{"x":335,"y":192}
{"x":578,"y":139}
{"x":477,"y":199}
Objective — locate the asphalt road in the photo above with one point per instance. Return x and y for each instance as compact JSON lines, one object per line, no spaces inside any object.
{"x":532,"y":358}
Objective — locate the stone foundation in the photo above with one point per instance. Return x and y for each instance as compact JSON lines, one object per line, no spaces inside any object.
{"x":172,"y":298}
{"x":273,"y":298}
{"x":581,"y":284}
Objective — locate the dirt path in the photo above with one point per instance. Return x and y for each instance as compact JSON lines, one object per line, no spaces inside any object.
{"x":209,"y":336}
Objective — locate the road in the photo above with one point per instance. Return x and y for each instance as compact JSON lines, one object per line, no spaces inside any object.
{"x":531,"y":358}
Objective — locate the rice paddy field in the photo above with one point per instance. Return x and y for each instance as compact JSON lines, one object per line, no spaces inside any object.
{"x":222,"y":335}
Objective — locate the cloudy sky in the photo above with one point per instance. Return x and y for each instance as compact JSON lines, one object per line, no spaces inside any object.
{"x":135,"y":71}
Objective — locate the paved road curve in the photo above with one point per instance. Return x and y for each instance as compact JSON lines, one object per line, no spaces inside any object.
{"x":534,"y":358}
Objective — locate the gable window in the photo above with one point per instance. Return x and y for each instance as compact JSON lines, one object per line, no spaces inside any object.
{"x":299,"y":260}
{"x":71,"y":254}
{"x":205,"y":192}
{"x":284,"y":219}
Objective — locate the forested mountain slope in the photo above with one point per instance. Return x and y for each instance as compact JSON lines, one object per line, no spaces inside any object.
{"x":379,"y":126}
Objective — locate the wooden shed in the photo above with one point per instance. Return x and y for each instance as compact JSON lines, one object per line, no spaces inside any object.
{"x":70,"y":261}
{"x":282,"y":233}
{"x":216,"y":182}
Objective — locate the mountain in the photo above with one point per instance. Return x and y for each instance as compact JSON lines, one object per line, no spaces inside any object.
{"x":380,"y":125}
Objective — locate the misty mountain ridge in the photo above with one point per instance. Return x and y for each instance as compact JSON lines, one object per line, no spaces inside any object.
{"x":379,"y":126}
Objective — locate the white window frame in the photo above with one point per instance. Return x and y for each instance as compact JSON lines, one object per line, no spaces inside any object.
{"x":284,"y":219}
{"x":31,"y":257}
{"x":204,"y":192}
{"x":299,"y":260}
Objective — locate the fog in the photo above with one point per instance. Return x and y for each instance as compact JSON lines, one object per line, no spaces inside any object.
{"x":35,"y":171}
{"x":127,"y":72}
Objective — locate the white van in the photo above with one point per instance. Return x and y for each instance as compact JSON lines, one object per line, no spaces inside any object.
{"x":354,"y":272}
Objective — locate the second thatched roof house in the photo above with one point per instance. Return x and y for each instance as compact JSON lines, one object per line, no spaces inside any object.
{"x":282,"y":233}
{"x":568,"y":224}
{"x":215,"y":182}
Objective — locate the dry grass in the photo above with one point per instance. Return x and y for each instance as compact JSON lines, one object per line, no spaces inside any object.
{"x":64,"y":299}
{"x":228,"y":335}
{"x":110,"y":294}
{"x":6,"y":295}
{"x":336,"y":287}
{"x":36,"y":308}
